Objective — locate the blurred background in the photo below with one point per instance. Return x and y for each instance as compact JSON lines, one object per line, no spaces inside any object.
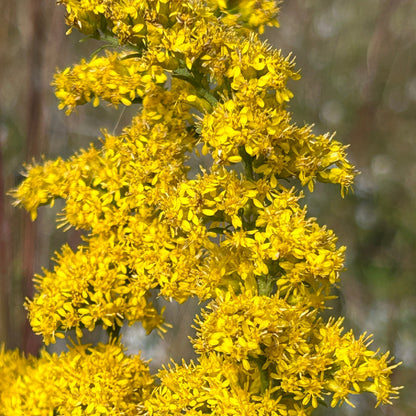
{"x":358,"y":65}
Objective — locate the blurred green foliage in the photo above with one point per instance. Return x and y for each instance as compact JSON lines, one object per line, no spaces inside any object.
{"x":358,"y":66}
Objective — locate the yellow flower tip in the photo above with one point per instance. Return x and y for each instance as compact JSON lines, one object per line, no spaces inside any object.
{"x":235,"y":159}
{"x":191,"y":98}
{"x":125,"y":101}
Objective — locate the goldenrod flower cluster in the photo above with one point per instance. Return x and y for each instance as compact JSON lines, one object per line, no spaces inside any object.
{"x":86,"y":380}
{"x":207,"y":91}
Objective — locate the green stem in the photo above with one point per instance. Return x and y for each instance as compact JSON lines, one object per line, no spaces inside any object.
{"x":265,"y":285}
{"x":247,"y":162}
{"x":113,"y":331}
{"x":264,"y":379}
{"x":186,"y":75}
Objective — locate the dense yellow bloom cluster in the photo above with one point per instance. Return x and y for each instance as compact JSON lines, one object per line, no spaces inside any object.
{"x":298,"y":354}
{"x":214,"y":386}
{"x":86,"y":380}
{"x":110,"y":78}
{"x":207,"y":90}
{"x":132,"y":20}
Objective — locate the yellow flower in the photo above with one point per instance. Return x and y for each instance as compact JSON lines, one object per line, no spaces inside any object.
{"x":213,"y":386}
{"x":99,"y":380}
{"x":191,"y":199}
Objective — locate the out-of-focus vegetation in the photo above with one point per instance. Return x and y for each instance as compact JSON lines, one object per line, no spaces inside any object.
{"x":33,"y":44}
{"x":358,"y":66}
